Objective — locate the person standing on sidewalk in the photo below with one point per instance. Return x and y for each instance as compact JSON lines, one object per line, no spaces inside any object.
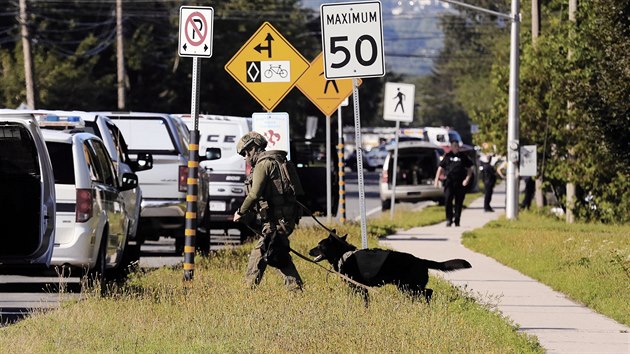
{"x":489,"y":174}
{"x":457,"y":168}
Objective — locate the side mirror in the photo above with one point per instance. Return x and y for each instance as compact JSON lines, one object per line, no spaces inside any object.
{"x":129,"y":181}
{"x":211,"y":154}
{"x":143,"y":162}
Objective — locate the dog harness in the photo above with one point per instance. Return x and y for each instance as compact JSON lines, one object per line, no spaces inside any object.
{"x":369,"y":261}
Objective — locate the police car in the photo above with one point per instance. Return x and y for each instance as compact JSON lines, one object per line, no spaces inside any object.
{"x":92,"y":224}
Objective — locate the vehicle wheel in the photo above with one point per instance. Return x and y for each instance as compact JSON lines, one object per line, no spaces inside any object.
{"x":386,"y":204}
{"x":98,"y":272}
{"x":180,"y":242}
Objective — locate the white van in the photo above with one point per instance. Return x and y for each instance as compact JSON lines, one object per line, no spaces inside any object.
{"x":227,"y":174}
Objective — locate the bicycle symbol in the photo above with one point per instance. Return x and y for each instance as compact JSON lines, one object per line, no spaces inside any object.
{"x":277,"y":70}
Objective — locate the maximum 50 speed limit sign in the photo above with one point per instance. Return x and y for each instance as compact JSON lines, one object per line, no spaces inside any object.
{"x":352,"y":40}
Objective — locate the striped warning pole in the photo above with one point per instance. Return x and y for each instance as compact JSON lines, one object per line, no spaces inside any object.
{"x":190,"y":231}
{"x":342,"y":183}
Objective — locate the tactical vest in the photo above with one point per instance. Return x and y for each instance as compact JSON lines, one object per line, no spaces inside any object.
{"x":279,"y":197}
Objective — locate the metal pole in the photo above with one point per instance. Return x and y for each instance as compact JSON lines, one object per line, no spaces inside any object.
{"x":395,"y":167}
{"x":328,"y":172}
{"x":359,"y":145}
{"x":120,"y":57}
{"x":193,"y":178}
{"x":342,"y":184}
{"x":513,"y":147}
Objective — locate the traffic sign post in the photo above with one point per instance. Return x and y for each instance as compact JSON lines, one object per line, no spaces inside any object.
{"x":195,"y":40}
{"x":352,"y":43}
{"x":267,"y":66}
{"x":398,"y":106}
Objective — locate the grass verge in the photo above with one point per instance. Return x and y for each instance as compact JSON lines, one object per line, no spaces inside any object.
{"x":155,"y":312}
{"x":588,"y":262}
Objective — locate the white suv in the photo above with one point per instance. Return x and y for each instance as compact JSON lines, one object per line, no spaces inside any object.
{"x":27,"y":195}
{"x":164,"y":187}
{"x":91,"y":225}
{"x":116,"y":146}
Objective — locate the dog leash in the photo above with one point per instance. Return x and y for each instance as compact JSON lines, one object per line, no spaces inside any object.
{"x":332,"y":271}
{"x":312,"y":215}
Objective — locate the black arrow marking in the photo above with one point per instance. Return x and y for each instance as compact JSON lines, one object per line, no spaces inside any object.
{"x":205,"y":47}
{"x":259,"y":48}
{"x":184,"y":47}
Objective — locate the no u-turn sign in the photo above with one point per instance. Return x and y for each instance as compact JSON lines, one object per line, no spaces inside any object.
{"x":195,"y":31}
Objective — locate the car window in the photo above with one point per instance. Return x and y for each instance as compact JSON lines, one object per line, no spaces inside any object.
{"x":183,"y":134}
{"x":62,"y":162}
{"x":151,"y":134}
{"x":119,"y":142}
{"x":18,"y":154}
{"x":92,"y":128}
{"x":440,"y":138}
{"x":103,"y":163}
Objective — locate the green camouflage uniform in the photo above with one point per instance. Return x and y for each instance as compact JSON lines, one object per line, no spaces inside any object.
{"x":277,"y":215}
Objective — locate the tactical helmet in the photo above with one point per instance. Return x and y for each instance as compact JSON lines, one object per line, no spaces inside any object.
{"x":247,"y":140}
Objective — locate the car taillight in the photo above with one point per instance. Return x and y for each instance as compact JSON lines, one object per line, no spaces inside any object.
{"x":183,"y":179}
{"x":384,"y":176}
{"x":84,"y":205}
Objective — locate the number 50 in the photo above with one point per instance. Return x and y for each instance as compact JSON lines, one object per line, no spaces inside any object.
{"x":337,"y":45}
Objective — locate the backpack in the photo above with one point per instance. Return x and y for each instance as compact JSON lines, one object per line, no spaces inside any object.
{"x":284,"y":190}
{"x":289,"y":184}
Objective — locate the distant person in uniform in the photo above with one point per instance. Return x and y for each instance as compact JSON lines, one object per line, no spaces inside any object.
{"x":267,"y":195}
{"x":457,"y":168}
{"x":489,"y":175}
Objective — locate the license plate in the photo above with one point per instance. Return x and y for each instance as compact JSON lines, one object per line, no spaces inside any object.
{"x":217,"y":206}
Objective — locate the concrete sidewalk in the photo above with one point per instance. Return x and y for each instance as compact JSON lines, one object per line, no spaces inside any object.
{"x":561,"y":325}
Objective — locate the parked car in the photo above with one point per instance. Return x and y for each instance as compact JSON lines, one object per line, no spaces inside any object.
{"x":114,"y":142}
{"x":164,"y":187}
{"x":27,"y":195}
{"x":417,"y":164}
{"x":368,"y":164}
{"x":227,"y":174}
{"x":91,"y":225}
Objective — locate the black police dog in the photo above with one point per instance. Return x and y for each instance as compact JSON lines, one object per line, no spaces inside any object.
{"x":377,"y":267}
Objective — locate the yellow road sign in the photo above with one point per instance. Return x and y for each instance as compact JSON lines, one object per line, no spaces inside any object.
{"x":267,"y":66}
{"x":327,"y":95}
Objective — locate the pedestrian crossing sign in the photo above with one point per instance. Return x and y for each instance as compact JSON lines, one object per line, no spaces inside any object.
{"x":325,"y":94}
{"x":398,"y":102}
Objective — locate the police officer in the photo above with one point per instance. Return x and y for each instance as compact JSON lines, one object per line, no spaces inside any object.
{"x":489,"y":174}
{"x":277,"y":210}
{"x":457,"y":168}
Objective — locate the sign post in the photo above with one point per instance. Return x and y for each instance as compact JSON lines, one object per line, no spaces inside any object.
{"x":341,"y":164}
{"x":398,"y":106}
{"x":352,"y":43}
{"x":195,"y":40}
{"x":327,"y":95}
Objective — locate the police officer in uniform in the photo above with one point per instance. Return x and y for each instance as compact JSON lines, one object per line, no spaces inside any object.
{"x":277,"y":210}
{"x":457,"y":168}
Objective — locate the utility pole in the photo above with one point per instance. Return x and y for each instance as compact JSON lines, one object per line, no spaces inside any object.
{"x":28,"y":56}
{"x":570,"y":217}
{"x":120,"y":57}
{"x":513,"y":145}
{"x":540,"y":201}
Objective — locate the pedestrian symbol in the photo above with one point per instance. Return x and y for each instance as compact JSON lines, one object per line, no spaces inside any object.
{"x":401,"y":97}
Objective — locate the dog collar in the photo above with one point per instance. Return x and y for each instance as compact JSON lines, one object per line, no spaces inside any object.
{"x":344,"y":257}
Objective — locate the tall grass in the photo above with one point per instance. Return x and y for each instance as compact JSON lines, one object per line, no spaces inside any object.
{"x":156,"y":312}
{"x":588,"y":262}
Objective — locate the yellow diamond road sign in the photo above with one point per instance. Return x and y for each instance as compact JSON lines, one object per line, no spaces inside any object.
{"x":327,"y":95}
{"x":267,"y":66}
